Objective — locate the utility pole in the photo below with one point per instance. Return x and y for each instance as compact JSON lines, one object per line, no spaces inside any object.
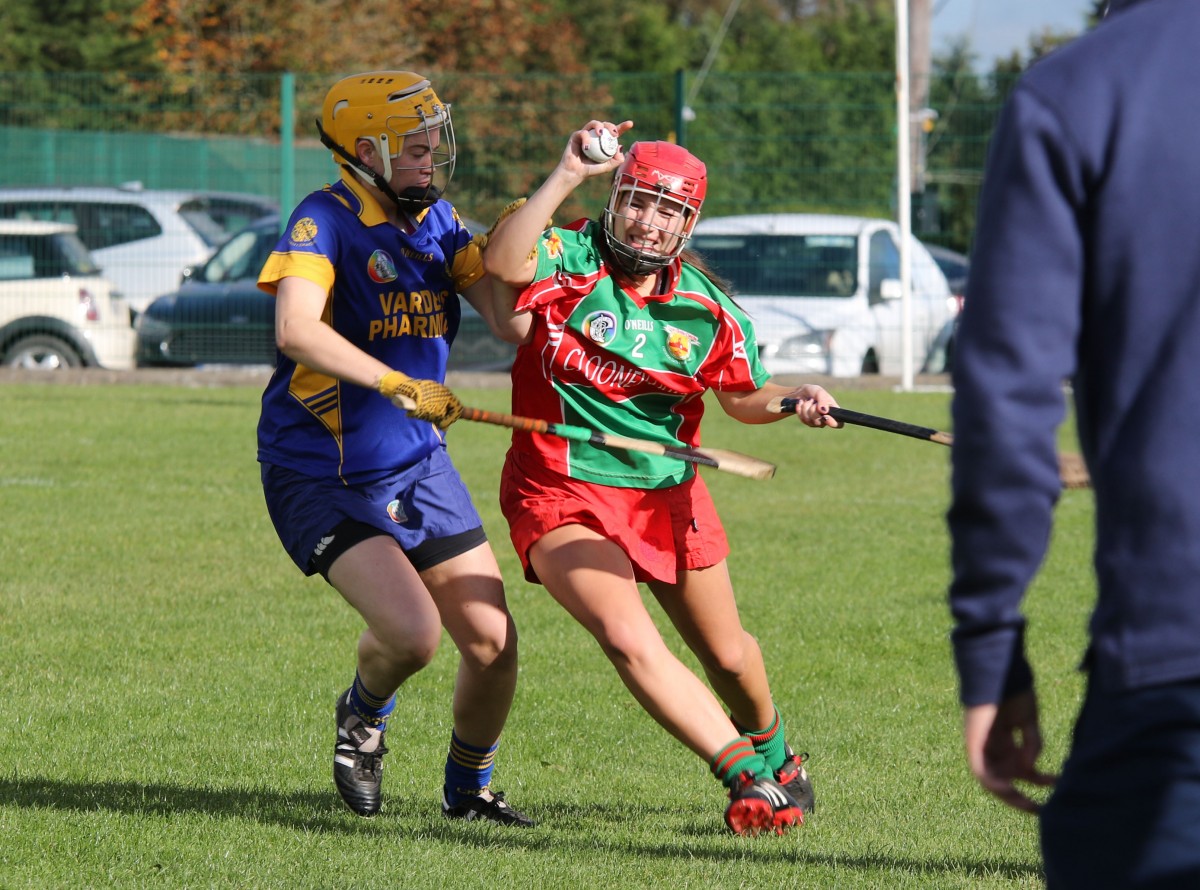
{"x":904,"y":192}
{"x":913,"y":61}
{"x":920,"y":116}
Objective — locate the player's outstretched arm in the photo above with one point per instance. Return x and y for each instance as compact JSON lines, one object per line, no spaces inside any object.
{"x":812,"y":404}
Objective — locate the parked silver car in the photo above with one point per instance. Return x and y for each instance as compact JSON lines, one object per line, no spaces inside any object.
{"x":143,"y":239}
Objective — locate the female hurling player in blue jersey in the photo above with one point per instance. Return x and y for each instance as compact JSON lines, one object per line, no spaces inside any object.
{"x":367,"y":279}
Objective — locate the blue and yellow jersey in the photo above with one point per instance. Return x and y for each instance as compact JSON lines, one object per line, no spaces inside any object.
{"x":391,"y":294}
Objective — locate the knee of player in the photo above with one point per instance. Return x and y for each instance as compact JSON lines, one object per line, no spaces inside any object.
{"x":629,"y":648}
{"x":493,"y":652}
{"x":725,"y":664}
{"x":412,"y":651}
{"x":727,"y":659}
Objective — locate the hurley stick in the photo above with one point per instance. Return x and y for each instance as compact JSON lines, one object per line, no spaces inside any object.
{"x":845,"y":415}
{"x":717,"y":458}
{"x":1071,"y":469}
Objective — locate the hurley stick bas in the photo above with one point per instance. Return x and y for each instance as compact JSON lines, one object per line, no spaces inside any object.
{"x":845,"y":415}
{"x":717,"y":458}
{"x":1071,"y":469}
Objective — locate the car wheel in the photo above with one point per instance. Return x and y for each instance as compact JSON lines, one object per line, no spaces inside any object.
{"x":41,"y":352}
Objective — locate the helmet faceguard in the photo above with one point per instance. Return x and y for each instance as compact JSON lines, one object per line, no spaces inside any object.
{"x":662,"y":174}
{"x":386,"y":108}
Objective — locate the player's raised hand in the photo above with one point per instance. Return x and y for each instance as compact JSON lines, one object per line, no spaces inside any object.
{"x":595,"y":149}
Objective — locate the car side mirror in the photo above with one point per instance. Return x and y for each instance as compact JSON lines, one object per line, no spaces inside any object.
{"x":890,"y":289}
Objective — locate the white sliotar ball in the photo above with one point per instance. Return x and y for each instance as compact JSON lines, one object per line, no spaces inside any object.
{"x":603,"y":145}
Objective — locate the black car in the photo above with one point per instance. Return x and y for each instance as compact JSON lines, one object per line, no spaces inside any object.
{"x":955,"y":266}
{"x":219,"y":316}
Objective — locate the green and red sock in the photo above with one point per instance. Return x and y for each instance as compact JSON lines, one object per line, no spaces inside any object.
{"x":768,"y":742}
{"x":736,"y":758}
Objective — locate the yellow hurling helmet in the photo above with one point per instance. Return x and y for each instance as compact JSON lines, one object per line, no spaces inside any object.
{"x":385,"y":107}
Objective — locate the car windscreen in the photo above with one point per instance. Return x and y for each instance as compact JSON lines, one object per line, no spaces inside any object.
{"x":24,"y":257}
{"x":76,"y":257}
{"x":98,"y":224}
{"x":241,"y":257}
{"x":215,"y":218}
{"x":783,"y":265}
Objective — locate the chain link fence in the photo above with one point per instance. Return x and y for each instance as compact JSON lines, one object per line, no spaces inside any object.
{"x":773,"y":142}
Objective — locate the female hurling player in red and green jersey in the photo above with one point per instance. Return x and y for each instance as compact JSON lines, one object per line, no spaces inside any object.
{"x":623,"y":332}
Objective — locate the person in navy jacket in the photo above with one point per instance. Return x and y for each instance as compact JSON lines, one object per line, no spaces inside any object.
{"x":1086,"y":268}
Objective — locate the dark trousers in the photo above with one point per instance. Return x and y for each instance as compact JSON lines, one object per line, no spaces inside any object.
{"x":1126,"y":810}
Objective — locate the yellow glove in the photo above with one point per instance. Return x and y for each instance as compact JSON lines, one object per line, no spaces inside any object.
{"x":509,"y":209}
{"x":421,"y":399}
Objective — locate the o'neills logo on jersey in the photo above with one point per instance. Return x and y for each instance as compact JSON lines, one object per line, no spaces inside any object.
{"x":304,"y":231}
{"x":600,"y":327}
{"x":381,"y":268}
{"x":680,"y":343}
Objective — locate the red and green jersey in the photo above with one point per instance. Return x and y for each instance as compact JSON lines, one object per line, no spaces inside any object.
{"x":606,"y":358}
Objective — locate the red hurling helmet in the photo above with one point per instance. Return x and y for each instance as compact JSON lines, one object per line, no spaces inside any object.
{"x":662,"y":173}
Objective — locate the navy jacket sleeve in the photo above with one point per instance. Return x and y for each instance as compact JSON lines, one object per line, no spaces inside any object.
{"x":1016,"y":347}
{"x":1086,"y":265}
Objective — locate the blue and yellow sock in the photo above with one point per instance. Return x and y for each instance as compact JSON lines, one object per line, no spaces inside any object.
{"x":468,"y":769}
{"x":373,"y":710}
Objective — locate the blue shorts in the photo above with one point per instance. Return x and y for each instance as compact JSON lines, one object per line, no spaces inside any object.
{"x":419,"y":507}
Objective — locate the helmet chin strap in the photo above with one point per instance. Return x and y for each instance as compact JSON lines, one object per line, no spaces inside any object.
{"x":411,"y":200}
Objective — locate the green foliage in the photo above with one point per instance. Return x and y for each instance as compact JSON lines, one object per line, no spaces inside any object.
{"x":72,"y":36}
{"x":860,"y":38}
{"x":631,"y":35}
{"x":956,"y":148}
{"x":169,"y":676}
{"x":792,"y":105}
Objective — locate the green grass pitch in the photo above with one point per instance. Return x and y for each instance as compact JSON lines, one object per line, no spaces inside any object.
{"x":167,"y":677}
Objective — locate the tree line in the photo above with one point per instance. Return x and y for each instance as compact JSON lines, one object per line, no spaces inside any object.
{"x":201,"y":65}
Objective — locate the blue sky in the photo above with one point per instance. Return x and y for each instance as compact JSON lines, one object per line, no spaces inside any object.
{"x":997,"y":27}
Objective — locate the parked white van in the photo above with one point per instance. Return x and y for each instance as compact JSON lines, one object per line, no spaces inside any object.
{"x":824,"y":291}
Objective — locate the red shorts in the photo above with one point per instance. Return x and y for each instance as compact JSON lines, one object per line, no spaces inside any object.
{"x":663,"y":531}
